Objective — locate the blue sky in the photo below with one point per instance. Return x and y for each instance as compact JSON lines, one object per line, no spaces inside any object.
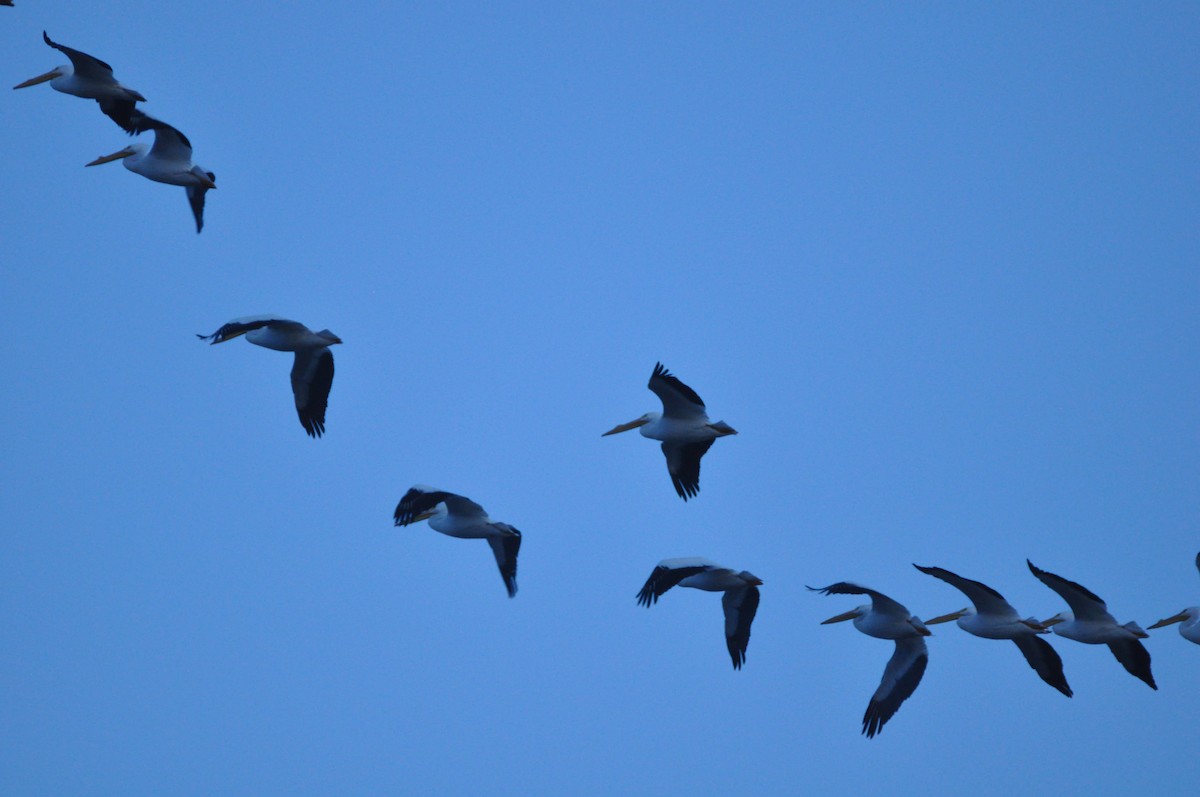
{"x":936,"y":263}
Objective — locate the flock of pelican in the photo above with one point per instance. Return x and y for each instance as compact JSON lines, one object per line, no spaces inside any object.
{"x":686,"y":433}
{"x":169,"y":160}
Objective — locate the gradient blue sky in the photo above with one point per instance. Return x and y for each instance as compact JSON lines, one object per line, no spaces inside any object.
{"x":937,"y":263}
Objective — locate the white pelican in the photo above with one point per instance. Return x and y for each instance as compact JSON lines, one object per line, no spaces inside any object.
{"x":312,"y":371}
{"x":168,"y":161}
{"x":995,"y":618}
{"x":683,"y":427}
{"x":1089,"y":622}
{"x":1189,"y":619}
{"x":884,"y":618}
{"x":740,"y":602}
{"x":457,"y":516}
{"x":91,"y":79}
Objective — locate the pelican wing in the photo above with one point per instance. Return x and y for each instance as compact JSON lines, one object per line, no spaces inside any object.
{"x":312,"y":378}
{"x":683,"y":463}
{"x":169,"y":143}
{"x":195,"y":195}
{"x":900,"y":679}
{"x":1198,"y":561}
{"x":1084,"y":603}
{"x":879,"y":602}
{"x":986,"y":599}
{"x":679,"y":400}
{"x":85,"y":66}
{"x":505,"y":547}
{"x":667,"y":574}
{"x":421,"y":499}
{"x":1045,"y":660}
{"x":240,"y":326}
{"x":740,"y":606}
{"x":1135,"y":659}
{"x":120,"y":111}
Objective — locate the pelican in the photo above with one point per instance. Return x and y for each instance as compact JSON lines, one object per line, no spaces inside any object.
{"x":458,"y":516}
{"x":91,"y":79}
{"x":884,"y":618}
{"x":683,"y":427}
{"x":1189,"y":619}
{"x":1089,"y":621}
{"x":168,"y":161}
{"x":740,"y":602}
{"x":312,"y":371}
{"x":994,"y":618}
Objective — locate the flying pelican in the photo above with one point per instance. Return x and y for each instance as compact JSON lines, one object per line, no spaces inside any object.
{"x":740,"y":601}
{"x":168,"y":161}
{"x":312,"y":371}
{"x":91,"y":79}
{"x":457,"y":516}
{"x":683,"y":427}
{"x":1189,"y":630}
{"x":884,"y":618}
{"x":994,"y":618}
{"x":1089,"y":621}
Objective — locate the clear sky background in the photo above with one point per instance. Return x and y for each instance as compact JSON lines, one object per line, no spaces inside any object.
{"x":936,"y":263}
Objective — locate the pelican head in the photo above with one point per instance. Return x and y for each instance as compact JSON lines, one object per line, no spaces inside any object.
{"x":329,"y":336}
{"x":945,"y":618}
{"x":853,"y":614}
{"x":1189,"y":613}
{"x":919,"y":626}
{"x":635,"y":423}
{"x":722,"y":428}
{"x":65,"y":70}
{"x":750,"y":578}
{"x":125,"y":152}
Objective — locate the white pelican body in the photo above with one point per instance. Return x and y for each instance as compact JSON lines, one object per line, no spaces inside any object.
{"x":312,"y":369}
{"x":1090,"y":622}
{"x":91,"y":79}
{"x":457,"y":516}
{"x":994,"y":618}
{"x":884,"y":618}
{"x":683,"y":427}
{"x":1188,"y":619}
{"x":739,"y":604}
{"x":168,"y":161}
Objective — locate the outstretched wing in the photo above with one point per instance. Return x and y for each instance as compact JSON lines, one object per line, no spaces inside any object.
{"x":667,"y":574}
{"x":683,"y":463}
{"x":879,"y":602}
{"x":1044,"y":659}
{"x":506,"y":547}
{"x":421,"y":498}
{"x":1083,"y":602}
{"x":679,"y":400}
{"x":86,"y":66}
{"x":312,"y":379}
{"x":740,"y":606}
{"x":1135,"y":659}
{"x":900,"y":679}
{"x":195,"y":196}
{"x":121,"y":111}
{"x":240,"y":326}
{"x":986,"y":599}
